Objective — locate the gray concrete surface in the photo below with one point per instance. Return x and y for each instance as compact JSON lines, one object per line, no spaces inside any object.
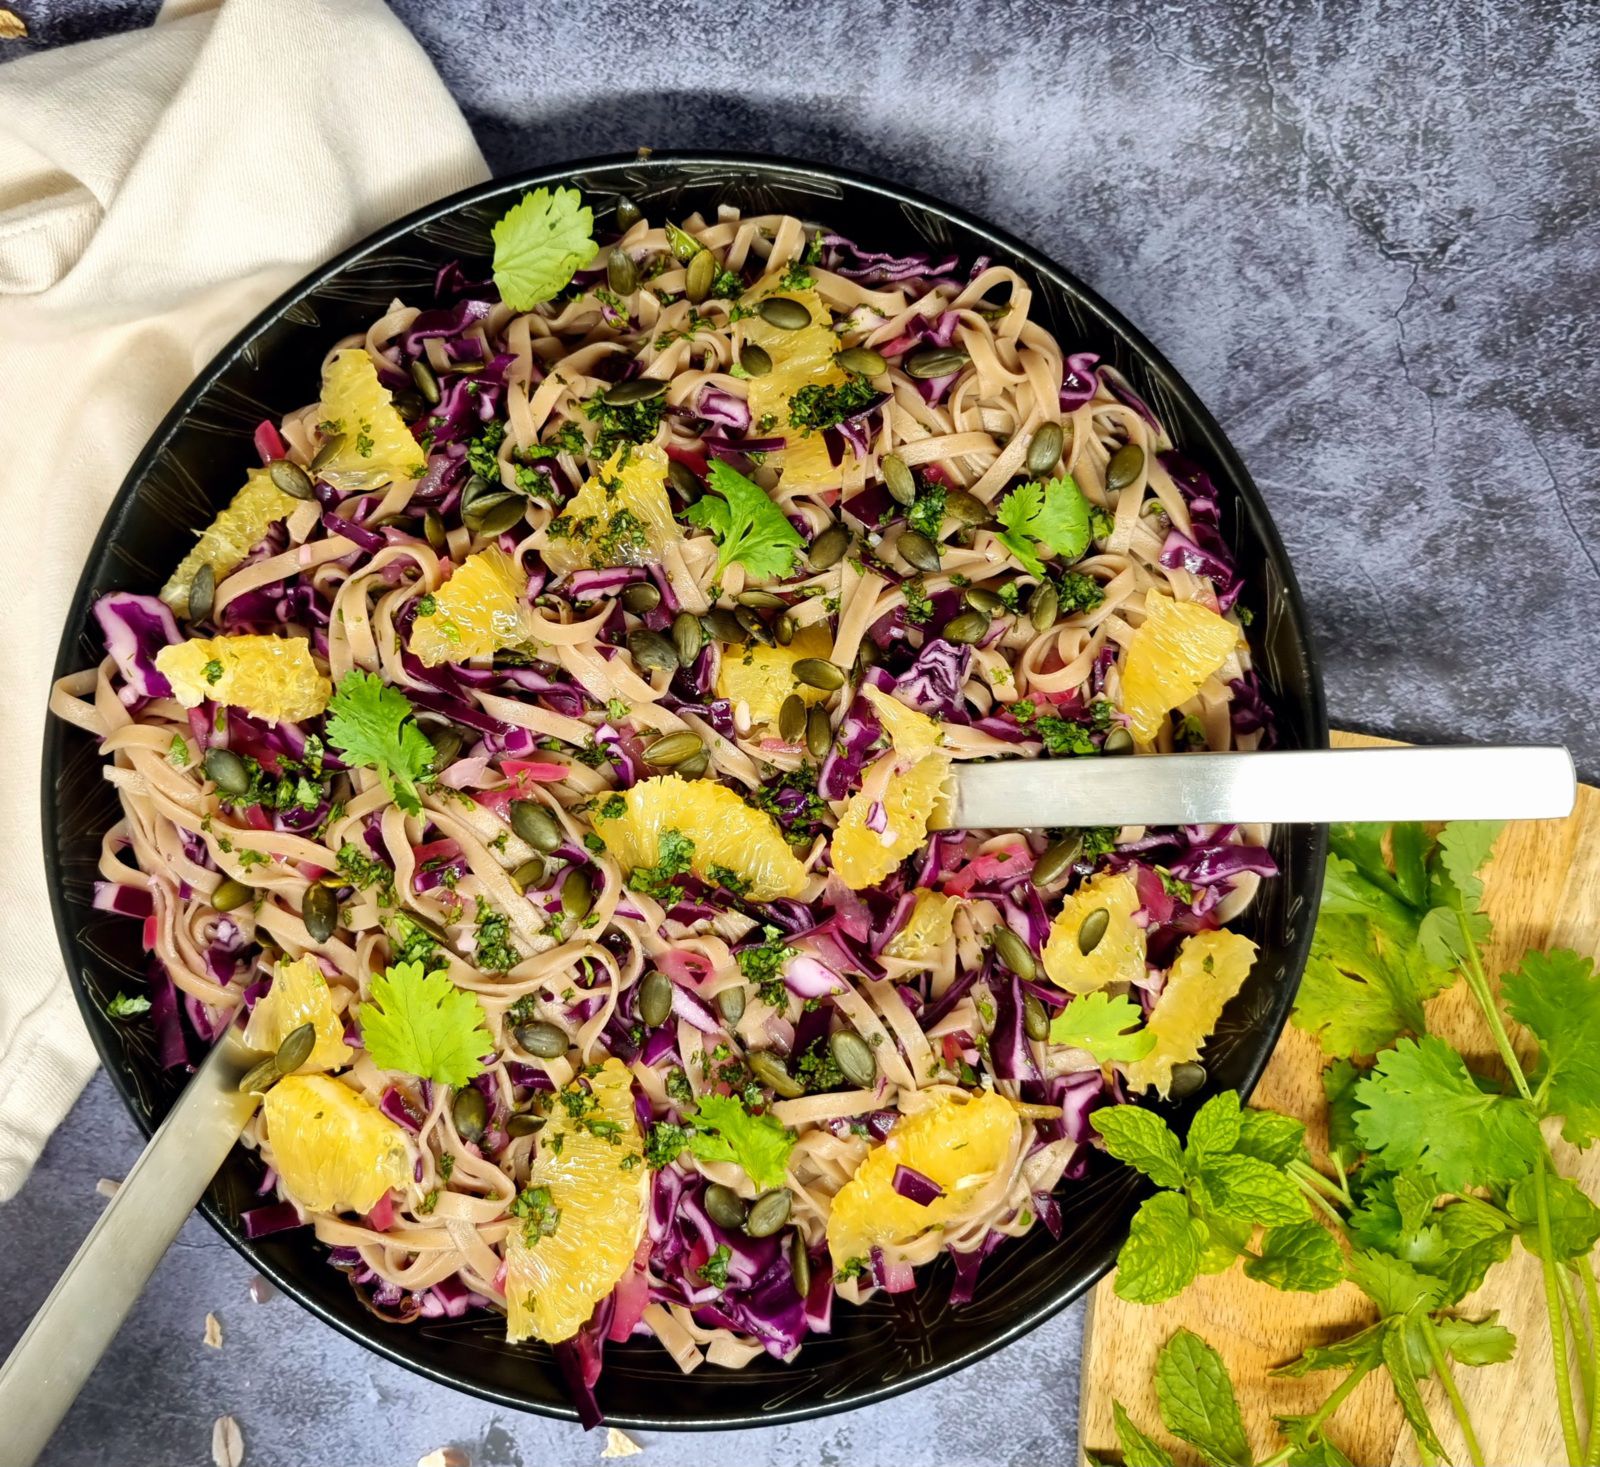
{"x":1365,"y":233}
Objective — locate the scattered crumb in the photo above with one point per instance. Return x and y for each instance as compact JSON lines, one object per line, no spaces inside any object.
{"x":445,"y":1457}
{"x":620,"y":1444}
{"x":12,"y":25}
{"x":213,"y":1334}
{"x":227,"y":1442}
{"x":261,"y":1290}
{"x":105,"y":1186}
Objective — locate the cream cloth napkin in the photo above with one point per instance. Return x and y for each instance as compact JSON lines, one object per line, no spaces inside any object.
{"x":156,"y":190}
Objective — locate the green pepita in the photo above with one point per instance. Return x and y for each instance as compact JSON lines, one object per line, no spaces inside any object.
{"x":1044,"y":449}
{"x":934,"y":361}
{"x":293,"y":480}
{"x":969,"y":627}
{"x":771,"y":1071}
{"x":652,"y":651}
{"x":1092,"y":929}
{"x":261,"y":1077}
{"x":530,"y":873}
{"x":725,"y":1207}
{"x":1035,"y":1019}
{"x":981,"y":599}
{"x":683,"y":478}
{"x":330,"y":446}
{"x":688,"y":636}
{"x":622,"y":275}
{"x":800,"y":1264}
{"x":1127,"y":463}
{"x":761,"y":600}
{"x":446,"y":745}
{"x":828,"y":548}
{"x":1014,"y":953}
{"x":756,"y":360}
{"x":525,"y":1123}
{"x":967,"y":508}
{"x":228,"y":771}
{"x":792,"y":719}
{"x":784,"y":313}
{"x":898,"y":479}
{"x":296,"y":1048}
{"x":320,"y":912}
{"x":819,"y":732}
{"x":433,"y":527}
{"x":862,"y":359}
{"x":698,"y":278}
{"x":768,"y":1213}
{"x":1056,"y":861}
{"x":730,"y":1004}
{"x":541,"y":1039}
{"x":640,"y":389}
{"x":854,"y":1057}
{"x":494,"y":514}
{"x":753,"y":626}
{"x":919,"y":551}
{"x":1044,"y":607}
{"x":723,"y":626}
{"x":640,"y":597}
{"x":673,"y":749}
{"x":655,"y":999}
{"x":470,"y":1112}
{"x":427,"y":383}
{"x":1187,"y":1078}
{"x":818,"y":672}
{"x":202,"y":592}
{"x":1118,"y":741}
{"x":784,"y":629}
{"x":695,"y":765}
{"x":577,"y":895}
{"x":535,"y":824}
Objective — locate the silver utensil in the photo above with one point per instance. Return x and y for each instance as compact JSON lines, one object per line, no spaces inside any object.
{"x":1284,"y":787}
{"x":76,"y":1324}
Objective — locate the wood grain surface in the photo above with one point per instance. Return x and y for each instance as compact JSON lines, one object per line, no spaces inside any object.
{"x":1542,"y":890}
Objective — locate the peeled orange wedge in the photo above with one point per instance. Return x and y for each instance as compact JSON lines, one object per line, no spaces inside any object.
{"x":762,"y":677}
{"x":800,"y":358}
{"x":621,"y":515}
{"x":479,"y":610}
{"x":1177,"y":647}
{"x":226,"y":540}
{"x":863,"y":856}
{"x":1209,"y":969}
{"x":375,"y":444}
{"x":926,"y":930}
{"x":299,"y":995}
{"x":272,"y":677}
{"x":333,"y":1149}
{"x":1117,"y":956}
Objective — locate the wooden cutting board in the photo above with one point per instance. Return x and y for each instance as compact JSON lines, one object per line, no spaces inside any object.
{"x":1543,"y":890}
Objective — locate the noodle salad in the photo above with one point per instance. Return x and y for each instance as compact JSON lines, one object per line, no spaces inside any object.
{"x":541,"y":747}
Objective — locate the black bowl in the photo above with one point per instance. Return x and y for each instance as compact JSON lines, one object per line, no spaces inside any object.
{"x":193,"y":464}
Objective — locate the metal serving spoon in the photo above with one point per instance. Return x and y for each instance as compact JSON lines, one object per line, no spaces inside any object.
{"x":77,"y":1323}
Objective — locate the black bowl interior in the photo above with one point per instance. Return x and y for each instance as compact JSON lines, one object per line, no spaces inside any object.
{"x":198,"y":458}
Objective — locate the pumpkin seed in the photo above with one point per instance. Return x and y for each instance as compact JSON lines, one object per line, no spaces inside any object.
{"x":475,"y":488}
{"x":409,"y":405}
{"x":688,"y":636}
{"x":228,"y":771}
{"x":784,"y":313}
{"x":541,"y":1039}
{"x":934,"y":361}
{"x":655,"y":999}
{"x":434,"y":529}
{"x":202,"y":592}
{"x":969,"y":627}
{"x":1044,"y":607}
{"x":862,"y":359}
{"x":730,"y":1004}
{"x":536,"y":825}
{"x":652,"y":651}
{"x":771,"y":1071}
{"x":628,"y":213}
{"x":330,"y":446}
{"x":762,"y":600}
{"x":800,"y":1264}
{"x":672,"y":749}
{"x":819,"y":732}
{"x":640,"y":597}
{"x":320,"y":912}
{"x":470,"y":1112}
{"x":699,"y":276}
{"x":261,"y":1077}
{"x":1014,"y":953}
{"x":296,"y":1048}
{"x":768,"y":1213}
{"x":1127,"y":463}
{"x":683,"y":478}
{"x":1187,"y":1078}
{"x":754,"y":626}
{"x":918,"y":550}
{"x":828,"y":548}
{"x":967,"y":508}
{"x":1118,"y":741}
{"x":446,"y":745}
{"x":756,"y":360}
{"x":1044,"y":449}
{"x":684,"y":245}
{"x":818,"y":672}
{"x":530,"y":873}
{"x":868,"y":656}
{"x":427,"y":383}
{"x":641,"y":389}
{"x":723,"y":625}
{"x":854,"y":1057}
{"x":622,"y":275}
{"x":983,"y":600}
{"x":1035,"y":1019}
{"x":784,"y":629}
{"x":695,"y":765}
{"x":792,"y":719}
{"x":577,"y":895}
{"x":524,"y":1124}
{"x":494,"y":514}
{"x":724,"y":1206}
{"x":1092,"y":929}
{"x":1056,"y":861}
{"x":293,"y":480}
{"x":898,"y":479}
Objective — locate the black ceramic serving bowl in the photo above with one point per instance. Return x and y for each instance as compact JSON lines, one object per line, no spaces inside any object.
{"x":195,"y":462}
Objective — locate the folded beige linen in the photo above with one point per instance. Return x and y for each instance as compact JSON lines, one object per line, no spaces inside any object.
{"x":156,"y":190}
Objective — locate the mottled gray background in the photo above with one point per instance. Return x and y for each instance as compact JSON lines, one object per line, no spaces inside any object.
{"x":1365,"y":233}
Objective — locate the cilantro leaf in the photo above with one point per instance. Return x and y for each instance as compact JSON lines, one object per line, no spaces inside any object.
{"x":1197,"y":1401}
{"x":1138,"y":1450}
{"x":747,"y":526}
{"x":1456,"y":892}
{"x":1053,"y":514}
{"x":122,"y":1006}
{"x":1099,"y":1024}
{"x":1392,"y":1284}
{"x":1403,"y":1378}
{"x":1302,"y":1256}
{"x":1574,"y":1219}
{"x":371,"y":724}
{"x":1475,"y":1342}
{"x":540,"y":244}
{"x":1143,"y":1140}
{"x":1161,"y":1255}
{"x":1311,"y":1448}
{"x":726,"y":1131}
{"x":1556,"y":995}
{"x":1214,"y":1130}
{"x":1339,"y":1083}
{"x":423,"y":1024}
{"x":1248,"y":1189}
{"x":1363,"y":1349}
{"x":1421,"y":1107}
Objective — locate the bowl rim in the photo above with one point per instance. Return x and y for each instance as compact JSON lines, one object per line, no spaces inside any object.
{"x":1214,"y":444}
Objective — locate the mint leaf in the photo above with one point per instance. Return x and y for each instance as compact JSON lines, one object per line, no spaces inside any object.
{"x":540,"y":244}
{"x":1099,"y":1023}
{"x":1303,"y":1257}
{"x":747,"y":526}
{"x":1214,"y":1130}
{"x":1197,"y":1401}
{"x":1248,"y":1189}
{"x":1138,"y":1450}
{"x":1556,"y":996}
{"x":1143,"y":1140}
{"x":1574,"y":1219}
{"x":1270,"y":1137}
{"x":1221,"y":1240}
{"x":1054,"y":515}
{"x":1160,"y":1256}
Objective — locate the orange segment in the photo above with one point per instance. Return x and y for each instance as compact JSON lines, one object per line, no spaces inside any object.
{"x":1118,"y":957}
{"x":926,"y":930}
{"x":479,"y":610}
{"x":272,"y":677}
{"x":228,"y":538}
{"x":725,"y":831}
{"x":799,"y":359}
{"x":334,"y":1150}
{"x":763,"y":677}
{"x":1209,"y":969}
{"x":299,"y":995}
{"x":863,"y":856}
{"x":377,"y":446}
{"x":960,"y":1143}
{"x":579,"y":1237}
{"x":621,"y":515}
{"x":914,"y":735}
{"x":1179,"y":645}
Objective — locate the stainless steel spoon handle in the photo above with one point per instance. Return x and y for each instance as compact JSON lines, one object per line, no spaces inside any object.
{"x":77,"y":1323}
{"x":1309,"y":786}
